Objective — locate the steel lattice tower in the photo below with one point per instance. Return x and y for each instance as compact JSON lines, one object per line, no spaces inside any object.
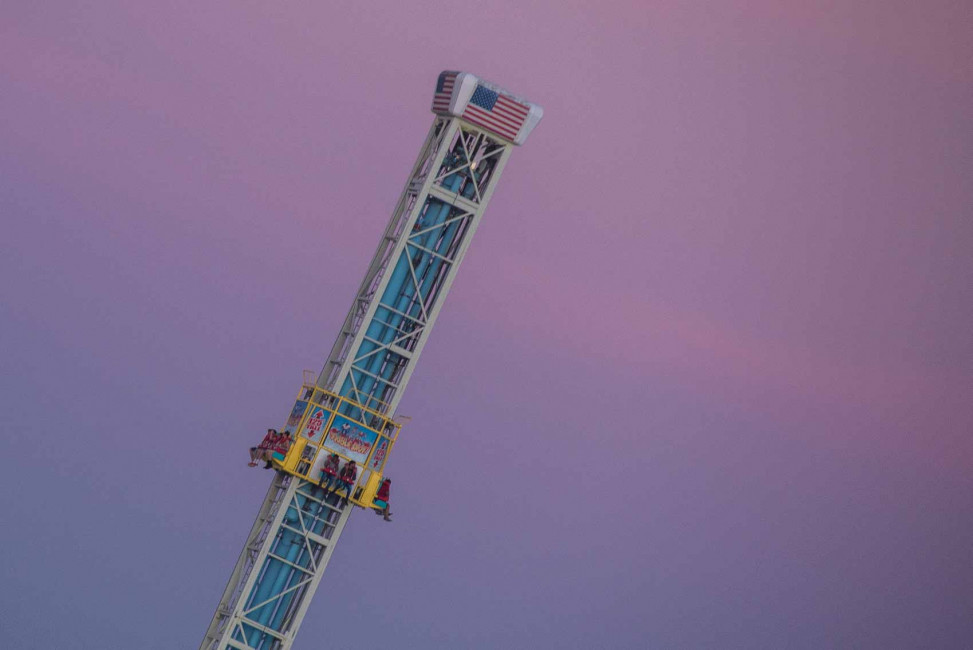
{"x":350,"y":408}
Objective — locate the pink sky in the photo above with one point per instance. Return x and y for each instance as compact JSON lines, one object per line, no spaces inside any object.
{"x":703,"y":381}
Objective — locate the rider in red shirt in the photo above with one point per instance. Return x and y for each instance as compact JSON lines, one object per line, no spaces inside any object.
{"x":259,"y":452}
{"x":382,"y":499}
{"x":329,"y":472}
{"x":283,"y":443}
{"x":347,"y":479}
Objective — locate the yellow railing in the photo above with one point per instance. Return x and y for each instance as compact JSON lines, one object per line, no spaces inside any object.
{"x":314,"y":425}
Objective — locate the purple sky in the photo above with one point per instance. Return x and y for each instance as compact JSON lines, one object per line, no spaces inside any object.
{"x":704,"y":380}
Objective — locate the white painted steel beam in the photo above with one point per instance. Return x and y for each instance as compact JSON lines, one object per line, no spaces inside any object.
{"x":445,"y":162}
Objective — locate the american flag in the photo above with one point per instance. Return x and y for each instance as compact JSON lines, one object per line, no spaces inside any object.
{"x":444,"y":90}
{"x":498,"y":113}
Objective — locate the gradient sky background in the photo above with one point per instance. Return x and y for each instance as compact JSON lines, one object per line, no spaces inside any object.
{"x":704,"y":380}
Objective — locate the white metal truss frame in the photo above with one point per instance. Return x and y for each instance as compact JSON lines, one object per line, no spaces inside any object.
{"x":229,"y":626}
{"x":328,"y":379}
{"x":287,"y":494}
{"x":371,"y":298}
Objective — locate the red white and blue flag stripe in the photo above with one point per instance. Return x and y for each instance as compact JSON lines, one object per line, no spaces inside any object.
{"x":444,"y":90}
{"x":495,"y":112}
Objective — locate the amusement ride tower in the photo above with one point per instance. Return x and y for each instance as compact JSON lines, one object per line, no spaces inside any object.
{"x":350,"y":409}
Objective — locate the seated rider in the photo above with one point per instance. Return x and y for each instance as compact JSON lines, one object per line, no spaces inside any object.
{"x":347,"y":479}
{"x":329,"y":472}
{"x":259,"y":452}
{"x":382,"y":499}
{"x":280,"y":448}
